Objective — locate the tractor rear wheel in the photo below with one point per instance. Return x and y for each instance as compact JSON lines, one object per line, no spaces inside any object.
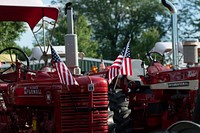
{"x":196,"y":113}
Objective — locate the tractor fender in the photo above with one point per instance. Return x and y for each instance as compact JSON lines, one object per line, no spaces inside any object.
{"x":184,"y":127}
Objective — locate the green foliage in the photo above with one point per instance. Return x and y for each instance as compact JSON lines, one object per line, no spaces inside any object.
{"x":9,"y":32}
{"x":85,"y":44}
{"x":115,"y":22}
{"x":27,"y":51}
{"x":60,"y":31}
{"x":150,"y":37}
{"x":190,"y":19}
{"x":83,"y":31}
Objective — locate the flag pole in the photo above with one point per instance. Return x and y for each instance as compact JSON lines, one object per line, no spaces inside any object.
{"x":116,"y":82}
{"x":122,"y":63}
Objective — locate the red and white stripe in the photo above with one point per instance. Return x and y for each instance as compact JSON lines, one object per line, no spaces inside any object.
{"x":64,"y":74}
{"x":121,"y":66}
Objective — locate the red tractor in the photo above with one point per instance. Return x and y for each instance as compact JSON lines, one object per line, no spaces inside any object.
{"x":35,"y":101}
{"x":167,"y":94}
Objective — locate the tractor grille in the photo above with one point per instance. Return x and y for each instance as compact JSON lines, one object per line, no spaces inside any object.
{"x":84,"y":112}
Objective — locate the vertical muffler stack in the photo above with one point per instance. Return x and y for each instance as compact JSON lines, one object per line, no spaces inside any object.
{"x":83,"y":109}
{"x":190,"y":51}
{"x":71,"y":46}
{"x":173,"y":11}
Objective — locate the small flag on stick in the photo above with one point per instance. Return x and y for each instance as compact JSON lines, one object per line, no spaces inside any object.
{"x":102,"y":65}
{"x":122,"y":65}
{"x":64,"y":74}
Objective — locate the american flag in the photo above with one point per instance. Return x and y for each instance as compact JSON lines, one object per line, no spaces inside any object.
{"x":122,"y":65}
{"x":64,"y":74}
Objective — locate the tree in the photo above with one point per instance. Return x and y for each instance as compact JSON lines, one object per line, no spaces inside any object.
{"x":116,"y":21}
{"x":86,"y":45}
{"x":9,"y":32}
{"x":27,"y":50}
{"x":149,"y":38}
{"x":185,"y":18}
{"x":82,"y":29}
{"x":189,"y":16}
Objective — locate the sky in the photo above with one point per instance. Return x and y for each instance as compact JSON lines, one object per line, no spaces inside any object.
{"x":27,"y":38}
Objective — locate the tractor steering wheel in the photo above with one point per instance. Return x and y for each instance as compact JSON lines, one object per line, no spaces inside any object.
{"x":9,"y":58}
{"x":155,"y":57}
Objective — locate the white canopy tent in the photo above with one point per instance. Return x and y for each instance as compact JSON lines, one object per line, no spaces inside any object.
{"x":37,"y":53}
{"x":162,"y":47}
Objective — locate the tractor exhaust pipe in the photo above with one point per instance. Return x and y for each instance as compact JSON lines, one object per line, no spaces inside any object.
{"x":71,"y":46}
{"x":173,"y":11}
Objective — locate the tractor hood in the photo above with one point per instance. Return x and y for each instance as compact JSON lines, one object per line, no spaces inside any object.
{"x":22,"y":10}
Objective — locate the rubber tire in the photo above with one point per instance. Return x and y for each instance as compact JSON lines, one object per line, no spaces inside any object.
{"x":196,"y":113}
